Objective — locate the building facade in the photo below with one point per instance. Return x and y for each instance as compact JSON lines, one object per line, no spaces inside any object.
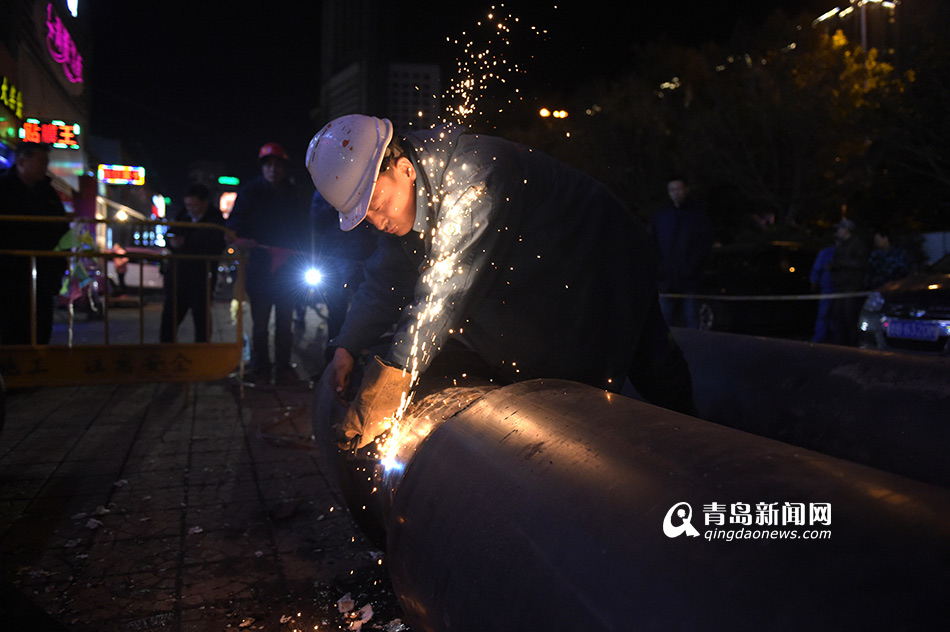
{"x":363,"y":68}
{"x":42,"y":95}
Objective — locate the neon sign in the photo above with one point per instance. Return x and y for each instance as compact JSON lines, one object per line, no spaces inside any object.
{"x":56,"y":133}
{"x":121,"y":174}
{"x":61,"y":46}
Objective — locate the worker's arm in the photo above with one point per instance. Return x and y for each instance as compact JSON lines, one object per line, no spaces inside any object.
{"x":469,"y":226}
{"x":380,"y":299}
{"x":462,"y":247}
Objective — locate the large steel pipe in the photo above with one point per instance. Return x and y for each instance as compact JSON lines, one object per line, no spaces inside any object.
{"x":890,"y":411}
{"x":541,"y":506}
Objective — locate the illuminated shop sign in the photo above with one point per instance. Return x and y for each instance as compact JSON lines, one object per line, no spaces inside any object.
{"x":226,"y":203}
{"x":11,"y":97}
{"x":159,"y":203}
{"x":121,"y":174}
{"x":56,"y":133}
{"x":61,"y":46}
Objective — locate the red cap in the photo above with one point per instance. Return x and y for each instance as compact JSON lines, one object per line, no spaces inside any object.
{"x":272,"y":149}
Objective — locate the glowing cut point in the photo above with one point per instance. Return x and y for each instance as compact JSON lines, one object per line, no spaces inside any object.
{"x":390,"y":464}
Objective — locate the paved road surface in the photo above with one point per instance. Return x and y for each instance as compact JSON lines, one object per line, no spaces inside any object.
{"x":166,"y":507}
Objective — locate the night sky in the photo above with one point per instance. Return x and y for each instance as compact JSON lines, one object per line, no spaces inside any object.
{"x":180,"y":81}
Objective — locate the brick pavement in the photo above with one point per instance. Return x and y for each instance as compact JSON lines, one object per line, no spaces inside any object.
{"x":161,"y":506}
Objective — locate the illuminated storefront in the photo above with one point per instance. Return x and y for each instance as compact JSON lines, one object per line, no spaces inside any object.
{"x":42,"y":94}
{"x":121,"y":174}
{"x":11,"y":111}
{"x":57,"y":134}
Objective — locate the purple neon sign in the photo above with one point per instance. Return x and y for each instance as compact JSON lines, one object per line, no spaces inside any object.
{"x":61,"y":46}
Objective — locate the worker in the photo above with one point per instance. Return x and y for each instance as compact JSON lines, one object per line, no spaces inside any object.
{"x":532,"y":265}
{"x":269,"y":218}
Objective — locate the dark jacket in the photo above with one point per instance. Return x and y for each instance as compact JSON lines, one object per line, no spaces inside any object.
{"x":40,"y":201}
{"x":272,"y":217}
{"x":820,"y":276}
{"x":886,"y":265}
{"x":849,"y":264}
{"x":198,"y":241}
{"x":683,"y":238}
{"x":534,"y":266}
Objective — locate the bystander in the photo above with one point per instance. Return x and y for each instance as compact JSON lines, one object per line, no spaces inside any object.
{"x":25,"y":189}
{"x":683,"y":237}
{"x":887,"y":261}
{"x":269,"y":219}
{"x":189,"y":282}
{"x":848,"y":266}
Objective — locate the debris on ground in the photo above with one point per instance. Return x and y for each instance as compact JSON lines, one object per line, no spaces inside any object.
{"x":345,"y":604}
{"x":357,"y":619}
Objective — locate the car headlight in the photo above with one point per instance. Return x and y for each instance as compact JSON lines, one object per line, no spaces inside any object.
{"x":874,"y":302}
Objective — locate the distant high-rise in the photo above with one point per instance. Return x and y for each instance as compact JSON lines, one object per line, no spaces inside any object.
{"x":362,"y":69}
{"x":413,"y":96}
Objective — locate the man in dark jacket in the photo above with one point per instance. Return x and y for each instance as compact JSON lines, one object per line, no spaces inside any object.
{"x":269,"y":218}
{"x":188,"y":281}
{"x":25,"y":189}
{"x":533,"y":266}
{"x":683,"y":237}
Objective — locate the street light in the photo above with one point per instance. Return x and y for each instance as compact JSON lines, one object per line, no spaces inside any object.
{"x":890,"y":5}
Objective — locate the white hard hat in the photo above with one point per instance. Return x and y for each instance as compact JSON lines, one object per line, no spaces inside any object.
{"x":344,"y":159}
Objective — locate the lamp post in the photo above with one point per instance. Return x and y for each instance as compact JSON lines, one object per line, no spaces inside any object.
{"x":890,"y":5}
{"x":864,"y":25}
{"x":862,"y":6}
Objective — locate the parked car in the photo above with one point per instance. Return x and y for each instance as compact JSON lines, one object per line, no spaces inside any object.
{"x":148,"y":259}
{"x":758,"y":271}
{"x":910,"y":314}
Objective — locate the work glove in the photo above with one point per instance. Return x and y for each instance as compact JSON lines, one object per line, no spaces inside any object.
{"x":376,"y":403}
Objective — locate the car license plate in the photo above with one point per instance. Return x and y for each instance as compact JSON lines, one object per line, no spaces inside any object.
{"x":913,"y":330}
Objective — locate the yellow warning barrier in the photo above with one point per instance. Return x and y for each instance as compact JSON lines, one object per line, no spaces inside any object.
{"x":119,"y":362}
{"x":49,"y":365}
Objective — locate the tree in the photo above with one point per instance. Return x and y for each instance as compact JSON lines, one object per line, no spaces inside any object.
{"x":783,"y":120}
{"x":911,"y":147}
{"x":790,"y":125}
